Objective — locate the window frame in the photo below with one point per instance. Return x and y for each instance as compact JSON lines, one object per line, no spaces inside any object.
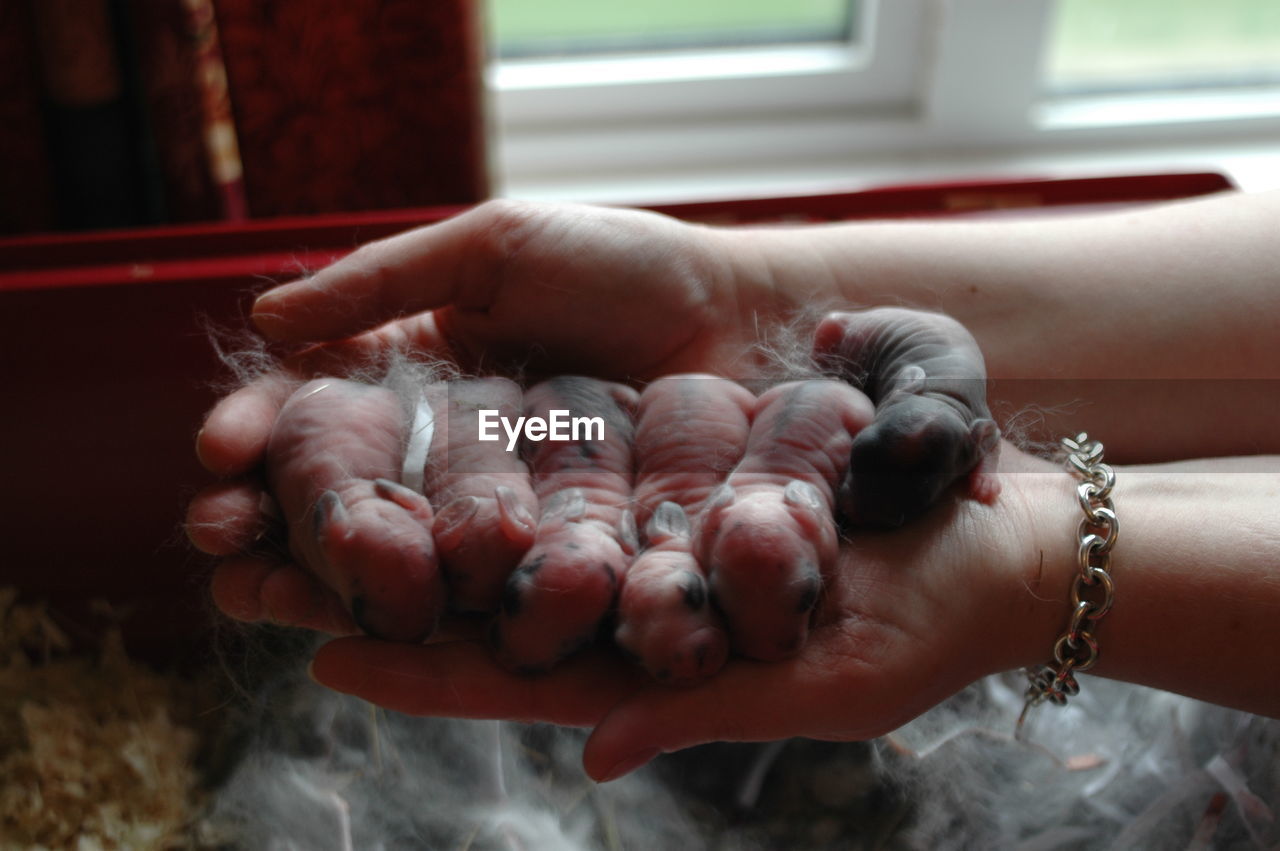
{"x":940,"y":76}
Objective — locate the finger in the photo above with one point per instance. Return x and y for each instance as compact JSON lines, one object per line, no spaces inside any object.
{"x":460,"y":680}
{"x":237,"y":588}
{"x":416,"y":335}
{"x":254,"y":590}
{"x":226,"y":518}
{"x":746,"y":702}
{"x":235,"y":434}
{"x":417,"y":270}
{"x":293,"y":597}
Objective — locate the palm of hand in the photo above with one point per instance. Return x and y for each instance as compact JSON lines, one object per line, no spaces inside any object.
{"x":896,"y":632}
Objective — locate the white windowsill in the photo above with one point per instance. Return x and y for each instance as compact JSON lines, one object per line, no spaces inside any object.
{"x":1253,"y":166}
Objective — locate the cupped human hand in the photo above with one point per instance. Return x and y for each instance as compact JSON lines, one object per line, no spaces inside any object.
{"x":621,"y":294}
{"x":909,"y":618}
{"x":543,"y":288}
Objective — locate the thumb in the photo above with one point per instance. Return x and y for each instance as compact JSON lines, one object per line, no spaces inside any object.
{"x":745,"y":702}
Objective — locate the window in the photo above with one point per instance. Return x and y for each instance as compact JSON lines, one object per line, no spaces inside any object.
{"x":1108,"y":46}
{"x":802,"y":80}
{"x":1173,"y":67}
{"x":546,"y":28}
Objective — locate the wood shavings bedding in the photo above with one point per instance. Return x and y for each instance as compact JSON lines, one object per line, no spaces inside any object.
{"x":94,"y":753}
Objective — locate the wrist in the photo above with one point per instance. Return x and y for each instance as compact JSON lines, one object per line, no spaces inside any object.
{"x":779,"y":272}
{"x":1197,"y":609}
{"x":1040,"y":496}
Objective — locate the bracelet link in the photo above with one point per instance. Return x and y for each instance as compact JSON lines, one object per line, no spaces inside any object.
{"x":1076,"y":650}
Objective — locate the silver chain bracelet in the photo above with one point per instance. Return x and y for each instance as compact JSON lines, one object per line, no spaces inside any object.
{"x":1077,"y":649}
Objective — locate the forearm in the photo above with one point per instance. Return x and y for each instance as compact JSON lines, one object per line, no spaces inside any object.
{"x":1197,"y":579}
{"x":1116,"y":320}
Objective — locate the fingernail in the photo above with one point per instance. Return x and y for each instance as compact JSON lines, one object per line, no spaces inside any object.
{"x":199,"y":456}
{"x":629,"y":764}
{"x":263,"y":320}
{"x":265,"y":313}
